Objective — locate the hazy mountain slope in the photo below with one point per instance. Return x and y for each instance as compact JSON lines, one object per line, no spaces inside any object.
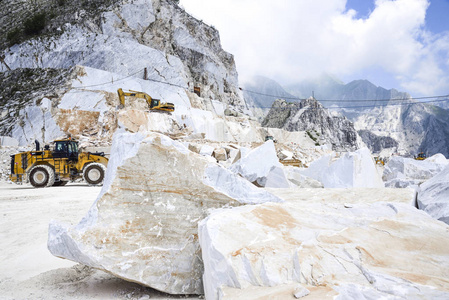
{"x":257,"y":94}
{"x":327,"y":89}
{"x":322,"y":87}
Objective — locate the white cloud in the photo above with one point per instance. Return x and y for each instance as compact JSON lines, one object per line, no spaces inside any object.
{"x":290,"y":40}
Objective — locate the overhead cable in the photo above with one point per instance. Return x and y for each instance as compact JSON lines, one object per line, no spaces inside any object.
{"x":356,"y":106}
{"x":340,"y":100}
{"x":113,"y":81}
{"x":109,"y":82}
{"x":297,"y":98}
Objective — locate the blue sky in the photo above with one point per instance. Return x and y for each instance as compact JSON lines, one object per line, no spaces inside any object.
{"x":402,"y":44}
{"x":437,"y":16}
{"x":437,"y":19}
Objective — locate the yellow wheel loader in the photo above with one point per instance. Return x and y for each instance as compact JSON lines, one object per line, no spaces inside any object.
{"x":57,"y":166}
{"x":153,"y":104}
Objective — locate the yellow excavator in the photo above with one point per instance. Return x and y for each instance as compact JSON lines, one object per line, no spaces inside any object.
{"x":153,"y":104}
{"x":421,"y":156}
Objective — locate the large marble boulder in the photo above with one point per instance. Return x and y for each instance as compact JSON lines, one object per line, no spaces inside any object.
{"x":143,"y":227}
{"x":352,"y":169}
{"x":326,"y":248}
{"x":257,"y":163}
{"x":433,"y":196}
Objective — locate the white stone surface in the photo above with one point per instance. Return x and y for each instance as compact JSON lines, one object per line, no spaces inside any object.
{"x":143,"y":225}
{"x":401,"y":171}
{"x":242,"y":152}
{"x":257,"y":163}
{"x":39,"y":124}
{"x":6,"y":141}
{"x":296,"y":179}
{"x":433,"y":196}
{"x":322,"y":243}
{"x":276,"y":178}
{"x":284,"y":154}
{"x":353,"y":169}
{"x":206,"y":150}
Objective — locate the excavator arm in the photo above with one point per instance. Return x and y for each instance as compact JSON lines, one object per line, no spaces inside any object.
{"x":153,"y":104}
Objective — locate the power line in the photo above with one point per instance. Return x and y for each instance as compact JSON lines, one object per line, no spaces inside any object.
{"x":296,"y":98}
{"x":168,"y":83}
{"x":130,"y":75}
{"x":274,"y":96}
{"x":109,"y":82}
{"x":340,"y":100}
{"x":357,"y":106}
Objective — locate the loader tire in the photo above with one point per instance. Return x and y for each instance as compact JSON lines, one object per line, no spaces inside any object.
{"x":94,"y":173}
{"x":42,"y":176}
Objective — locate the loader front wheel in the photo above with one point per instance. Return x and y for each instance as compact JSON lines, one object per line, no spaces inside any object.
{"x":42,"y":176}
{"x":94,"y":173}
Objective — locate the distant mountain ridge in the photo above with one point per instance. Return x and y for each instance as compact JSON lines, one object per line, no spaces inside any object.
{"x":409,"y":128}
{"x":325,"y":89}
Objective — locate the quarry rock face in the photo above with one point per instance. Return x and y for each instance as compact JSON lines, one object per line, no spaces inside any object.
{"x":331,"y":246}
{"x":417,"y":128}
{"x":143,"y":226}
{"x":310,"y":116}
{"x":125,"y":36}
{"x":152,"y":46}
{"x":377,"y":143}
{"x":433,"y":196}
{"x":8,"y":141}
{"x":353,"y":169}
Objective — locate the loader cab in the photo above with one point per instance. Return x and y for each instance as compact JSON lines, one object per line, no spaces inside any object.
{"x":66,"y":149}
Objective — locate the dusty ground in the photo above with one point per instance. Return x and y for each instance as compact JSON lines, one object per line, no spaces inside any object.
{"x":29,"y":271}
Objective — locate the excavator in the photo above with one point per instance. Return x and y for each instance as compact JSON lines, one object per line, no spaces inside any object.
{"x":153,"y":104}
{"x":421,"y":156}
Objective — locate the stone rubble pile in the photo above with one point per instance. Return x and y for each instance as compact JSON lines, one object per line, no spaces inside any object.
{"x":401,"y":172}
